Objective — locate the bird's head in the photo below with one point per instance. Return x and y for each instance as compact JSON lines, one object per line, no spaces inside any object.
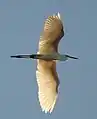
{"x":66,"y":57}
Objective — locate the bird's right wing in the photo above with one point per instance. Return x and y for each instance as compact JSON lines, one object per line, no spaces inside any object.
{"x":48,"y":82}
{"x":51,"y":35}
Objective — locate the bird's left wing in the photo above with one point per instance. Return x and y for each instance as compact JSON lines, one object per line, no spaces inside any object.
{"x":48,"y":82}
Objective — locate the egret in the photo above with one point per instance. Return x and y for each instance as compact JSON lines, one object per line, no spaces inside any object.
{"x":47,"y":55}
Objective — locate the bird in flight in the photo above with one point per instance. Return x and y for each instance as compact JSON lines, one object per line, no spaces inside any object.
{"x":47,"y":55}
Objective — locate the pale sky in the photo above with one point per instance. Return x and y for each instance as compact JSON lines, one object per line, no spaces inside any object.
{"x":21,"y":22}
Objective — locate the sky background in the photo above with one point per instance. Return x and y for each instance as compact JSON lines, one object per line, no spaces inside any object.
{"x":21,"y":22}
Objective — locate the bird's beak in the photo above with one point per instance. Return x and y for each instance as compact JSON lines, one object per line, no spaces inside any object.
{"x":68,"y":56}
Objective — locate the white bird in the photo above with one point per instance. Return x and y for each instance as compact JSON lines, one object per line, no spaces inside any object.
{"x":47,"y":78}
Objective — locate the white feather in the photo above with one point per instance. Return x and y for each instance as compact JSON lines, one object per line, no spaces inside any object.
{"x":59,"y":15}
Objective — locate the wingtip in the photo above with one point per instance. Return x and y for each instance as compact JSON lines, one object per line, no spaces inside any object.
{"x":59,"y":16}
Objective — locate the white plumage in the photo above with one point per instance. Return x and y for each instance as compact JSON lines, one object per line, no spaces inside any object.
{"x":46,"y":74}
{"x":47,"y":78}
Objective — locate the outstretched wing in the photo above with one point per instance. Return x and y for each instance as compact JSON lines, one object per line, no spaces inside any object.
{"x":48,"y":82}
{"x":46,"y":74}
{"x":51,"y":35}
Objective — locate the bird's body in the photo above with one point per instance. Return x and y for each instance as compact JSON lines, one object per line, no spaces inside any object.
{"x":46,"y":74}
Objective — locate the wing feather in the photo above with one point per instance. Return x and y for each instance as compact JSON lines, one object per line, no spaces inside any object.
{"x":48,"y":82}
{"x":51,"y":35}
{"x":47,"y":78}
